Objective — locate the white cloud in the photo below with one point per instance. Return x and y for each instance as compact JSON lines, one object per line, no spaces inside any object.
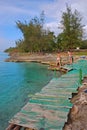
{"x":53,"y":26}
{"x":53,"y":10}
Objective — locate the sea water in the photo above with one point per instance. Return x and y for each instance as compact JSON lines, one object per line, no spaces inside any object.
{"x":17,"y":81}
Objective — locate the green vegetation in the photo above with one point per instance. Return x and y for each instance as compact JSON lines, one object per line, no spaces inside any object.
{"x":80,"y":53}
{"x":38,"y":39}
{"x":35,"y":38}
{"x":11,"y":49}
{"x":84,"y":44}
{"x":72,"y":34}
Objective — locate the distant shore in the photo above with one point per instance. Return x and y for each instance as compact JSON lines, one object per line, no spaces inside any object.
{"x":47,"y":58}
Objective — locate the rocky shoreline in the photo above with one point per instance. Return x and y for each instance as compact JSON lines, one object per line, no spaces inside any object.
{"x":49,"y":59}
{"x":77,"y":117}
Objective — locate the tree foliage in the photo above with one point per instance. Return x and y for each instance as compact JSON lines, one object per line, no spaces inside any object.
{"x":38,"y":39}
{"x":84,"y":44}
{"x":72,"y":33}
{"x":35,"y":38}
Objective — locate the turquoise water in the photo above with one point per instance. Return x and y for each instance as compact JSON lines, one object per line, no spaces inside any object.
{"x":17,"y":81}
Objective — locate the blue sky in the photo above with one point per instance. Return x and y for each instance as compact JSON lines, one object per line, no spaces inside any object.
{"x":13,"y":10}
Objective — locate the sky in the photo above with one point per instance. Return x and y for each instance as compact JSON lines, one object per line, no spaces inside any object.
{"x":12,"y":11}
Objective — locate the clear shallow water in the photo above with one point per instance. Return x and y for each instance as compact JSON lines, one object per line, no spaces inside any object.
{"x":17,"y":81}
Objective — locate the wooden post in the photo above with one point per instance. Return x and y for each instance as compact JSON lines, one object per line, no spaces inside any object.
{"x":80,"y":76}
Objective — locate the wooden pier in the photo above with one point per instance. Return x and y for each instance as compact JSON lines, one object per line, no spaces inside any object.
{"x":48,"y":109}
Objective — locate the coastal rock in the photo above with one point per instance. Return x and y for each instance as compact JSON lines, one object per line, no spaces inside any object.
{"x":77,"y":117}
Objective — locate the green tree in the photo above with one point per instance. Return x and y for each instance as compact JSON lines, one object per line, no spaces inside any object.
{"x":31,"y":34}
{"x":35,"y":38}
{"x":84,"y":44}
{"x":72,"y":29}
